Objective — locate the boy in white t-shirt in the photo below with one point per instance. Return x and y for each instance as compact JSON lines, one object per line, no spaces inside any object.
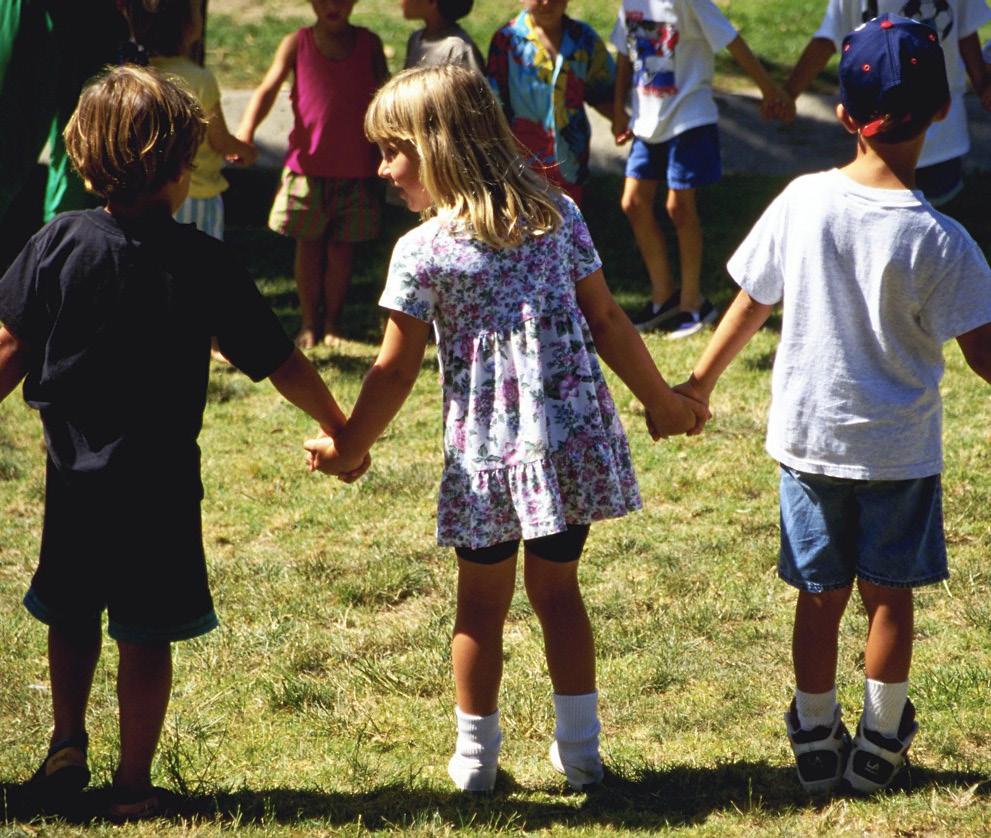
{"x":666,"y":55}
{"x":956,"y":22}
{"x":873,"y":281}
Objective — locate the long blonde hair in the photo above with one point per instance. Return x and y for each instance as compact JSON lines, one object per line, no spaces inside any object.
{"x":470,"y":163}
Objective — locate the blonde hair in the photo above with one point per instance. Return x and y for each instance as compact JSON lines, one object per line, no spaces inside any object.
{"x":132,"y":132}
{"x":470,"y":163}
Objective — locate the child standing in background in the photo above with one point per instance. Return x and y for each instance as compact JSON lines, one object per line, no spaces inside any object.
{"x":545,"y":67}
{"x":329,"y":198}
{"x":506,"y":271}
{"x":442,"y":40}
{"x":173,"y":29}
{"x":666,"y":57}
{"x":873,"y":281}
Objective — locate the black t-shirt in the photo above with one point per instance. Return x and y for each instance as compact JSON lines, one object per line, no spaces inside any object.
{"x":117,"y":318}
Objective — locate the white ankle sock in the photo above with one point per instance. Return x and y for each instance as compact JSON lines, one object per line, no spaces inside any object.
{"x":815,"y":709}
{"x":883,"y":706}
{"x":577,"y":736}
{"x":476,"y":751}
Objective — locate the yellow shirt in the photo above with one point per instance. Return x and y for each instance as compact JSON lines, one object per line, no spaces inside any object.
{"x":207,"y":181}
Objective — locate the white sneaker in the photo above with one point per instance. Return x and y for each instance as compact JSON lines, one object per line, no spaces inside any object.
{"x":820,"y":753}
{"x":877,"y":760}
{"x":578,"y":776}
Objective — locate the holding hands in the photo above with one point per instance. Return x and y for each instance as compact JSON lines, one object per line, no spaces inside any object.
{"x":682,"y":414}
{"x":322,"y":455}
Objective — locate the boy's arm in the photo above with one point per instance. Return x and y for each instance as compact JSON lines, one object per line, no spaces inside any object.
{"x":224,"y":142}
{"x":264,"y":96}
{"x":777,"y":104}
{"x":620,"y":119}
{"x":812,"y":61}
{"x":619,"y":344}
{"x":970,"y":52}
{"x":13,"y":362}
{"x":298,"y":381}
{"x":740,"y":323}
{"x":976,"y":348}
{"x":383,"y":392}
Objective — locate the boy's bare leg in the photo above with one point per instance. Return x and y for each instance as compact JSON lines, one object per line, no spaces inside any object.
{"x":638,"y":204}
{"x":484,"y":595}
{"x":72,"y":658}
{"x":144,"y":683}
{"x":683,"y":212}
{"x":336,"y":279}
{"x":890,"y":623}
{"x":552,"y":588}
{"x":308,"y":270}
{"x":815,"y":638}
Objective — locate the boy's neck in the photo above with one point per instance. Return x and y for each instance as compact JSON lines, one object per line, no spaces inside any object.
{"x":549,"y":30}
{"x":335,"y":40}
{"x":141,"y":211}
{"x":885,"y":165}
{"x":434,"y":24}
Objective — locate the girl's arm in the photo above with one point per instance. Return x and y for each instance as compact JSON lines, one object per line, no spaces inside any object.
{"x":619,"y":344}
{"x":264,"y":96}
{"x":976,"y":348}
{"x":225,"y":143}
{"x":299,"y":383}
{"x":970,"y":52}
{"x":740,"y":323}
{"x":13,"y":362}
{"x":777,"y":104}
{"x":811,"y":62}
{"x":385,"y":389}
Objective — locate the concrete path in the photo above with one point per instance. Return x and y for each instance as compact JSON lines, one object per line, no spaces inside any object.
{"x":814,"y":141}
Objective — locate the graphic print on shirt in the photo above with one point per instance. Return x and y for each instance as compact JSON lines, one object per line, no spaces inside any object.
{"x":936,"y":14}
{"x":651,"y":45}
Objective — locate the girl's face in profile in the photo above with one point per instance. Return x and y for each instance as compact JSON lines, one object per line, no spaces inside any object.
{"x":402,"y":168}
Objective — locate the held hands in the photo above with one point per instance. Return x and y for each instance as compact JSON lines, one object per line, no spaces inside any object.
{"x":245,"y":156}
{"x":777,"y":104}
{"x":323,"y":456}
{"x":621,"y":126}
{"x":691,"y":390}
{"x":683,"y":414}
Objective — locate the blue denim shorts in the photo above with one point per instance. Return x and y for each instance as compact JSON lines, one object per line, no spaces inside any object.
{"x":686,"y":161}
{"x":833,"y":530}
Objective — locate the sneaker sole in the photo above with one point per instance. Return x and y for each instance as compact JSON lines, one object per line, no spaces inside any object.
{"x":694,"y":328}
{"x":655,"y":322}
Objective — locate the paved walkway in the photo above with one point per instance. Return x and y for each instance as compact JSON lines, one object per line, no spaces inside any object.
{"x":814,"y":141}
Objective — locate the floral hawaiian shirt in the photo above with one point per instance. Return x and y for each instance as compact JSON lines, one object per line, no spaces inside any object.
{"x":544,"y":97}
{"x":532,"y":441}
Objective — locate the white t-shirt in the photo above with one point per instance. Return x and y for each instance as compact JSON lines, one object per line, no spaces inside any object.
{"x":953,"y":19}
{"x":873,"y":283}
{"x":672,"y":45}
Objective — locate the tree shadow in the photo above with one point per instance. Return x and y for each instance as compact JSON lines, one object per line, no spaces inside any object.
{"x":637,"y":798}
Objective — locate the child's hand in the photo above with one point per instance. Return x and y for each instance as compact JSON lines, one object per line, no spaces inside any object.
{"x":621,"y":126}
{"x":698,"y":400}
{"x":245,"y":156}
{"x":324,"y":456}
{"x":777,"y":104}
{"x":683,"y":415}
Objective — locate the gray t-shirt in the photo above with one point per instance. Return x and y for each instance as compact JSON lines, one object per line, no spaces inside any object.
{"x":454,"y":46}
{"x":873,"y":283}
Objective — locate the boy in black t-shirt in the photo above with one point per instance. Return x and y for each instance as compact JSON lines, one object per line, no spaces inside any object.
{"x":123,"y":490}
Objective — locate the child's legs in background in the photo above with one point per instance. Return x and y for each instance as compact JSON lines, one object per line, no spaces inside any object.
{"x":683,"y":212}
{"x":144,"y":683}
{"x":72,"y":657}
{"x":637,"y":202}
{"x":336,"y":280}
{"x":308,"y":270}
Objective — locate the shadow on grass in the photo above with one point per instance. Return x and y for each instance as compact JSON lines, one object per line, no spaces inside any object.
{"x":648,"y":798}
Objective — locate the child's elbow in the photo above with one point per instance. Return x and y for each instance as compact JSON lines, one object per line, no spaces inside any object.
{"x":976,"y":348}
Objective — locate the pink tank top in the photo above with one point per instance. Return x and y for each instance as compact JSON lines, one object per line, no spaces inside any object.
{"x":329,"y":99}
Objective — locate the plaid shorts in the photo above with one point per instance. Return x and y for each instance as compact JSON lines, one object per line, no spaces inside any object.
{"x":338,"y":209}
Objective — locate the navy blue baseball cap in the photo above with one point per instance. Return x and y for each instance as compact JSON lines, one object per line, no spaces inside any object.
{"x":892,"y":71}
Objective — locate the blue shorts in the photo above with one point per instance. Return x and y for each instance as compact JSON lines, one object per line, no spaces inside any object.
{"x":833,"y":530}
{"x":941,"y":182}
{"x":686,"y":161}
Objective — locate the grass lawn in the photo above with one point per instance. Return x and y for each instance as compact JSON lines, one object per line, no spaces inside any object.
{"x":324,"y":704}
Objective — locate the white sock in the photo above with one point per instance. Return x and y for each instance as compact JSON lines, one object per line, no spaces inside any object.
{"x":883,"y":706}
{"x":577,"y":733}
{"x":476,"y":751}
{"x":815,"y":709}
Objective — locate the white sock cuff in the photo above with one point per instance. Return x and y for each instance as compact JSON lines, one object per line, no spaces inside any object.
{"x":577,"y":717}
{"x":815,"y":709}
{"x":477,"y":735}
{"x":883,"y":706}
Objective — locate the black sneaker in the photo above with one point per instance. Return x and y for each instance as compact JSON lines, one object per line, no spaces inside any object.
{"x":876,"y":760}
{"x":63,"y":774}
{"x":820,"y":753}
{"x":687,"y":323}
{"x":649,"y":318}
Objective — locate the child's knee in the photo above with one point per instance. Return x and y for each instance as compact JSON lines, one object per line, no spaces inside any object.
{"x":893,"y":600}
{"x":681,"y":209}
{"x":636,"y":204}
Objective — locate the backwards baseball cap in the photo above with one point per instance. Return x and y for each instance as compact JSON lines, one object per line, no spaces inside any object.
{"x":892,"y":73}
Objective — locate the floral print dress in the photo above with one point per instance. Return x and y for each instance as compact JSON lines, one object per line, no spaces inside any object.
{"x":532,"y":441}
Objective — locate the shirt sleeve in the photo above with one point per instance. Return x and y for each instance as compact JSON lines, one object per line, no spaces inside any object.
{"x":409,"y":287}
{"x":210,"y":95}
{"x":619,"y":34}
{"x":601,"y":72}
{"x":22,"y":305}
{"x":971,"y":16}
{"x":497,"y":69}
{"x":834,"y":26}
{"x":715,"y":26}
{"x":757,"y":266}
{"x":584,"y":257}
{"x":961,"y":301}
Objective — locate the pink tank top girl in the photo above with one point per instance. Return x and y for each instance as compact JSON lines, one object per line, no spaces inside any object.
{"x":329,"y":99}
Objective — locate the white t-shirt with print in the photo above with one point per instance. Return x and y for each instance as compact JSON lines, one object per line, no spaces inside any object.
{"x":672,"y":46}
{"x":873,"y":283}
{"x":953,"y":20}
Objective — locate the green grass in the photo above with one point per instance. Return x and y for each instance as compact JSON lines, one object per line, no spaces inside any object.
{"x":324,"y":703}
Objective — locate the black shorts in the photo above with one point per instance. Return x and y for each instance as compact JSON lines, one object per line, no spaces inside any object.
{"x":561,"y":547}
{"x":134,"y":547}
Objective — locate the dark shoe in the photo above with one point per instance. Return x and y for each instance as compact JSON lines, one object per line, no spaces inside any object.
{"x":63,"y":773}
{"x":138,"y":805}
{"x":820,"y":753}
{"x":876,"y":760}
{"x":649,"y":318}
{"x":687,"y":323}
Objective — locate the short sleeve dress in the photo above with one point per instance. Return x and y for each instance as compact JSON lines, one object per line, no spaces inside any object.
{"x":532,"y":441}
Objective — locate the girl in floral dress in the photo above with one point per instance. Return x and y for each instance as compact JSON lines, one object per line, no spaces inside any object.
{"x":505,"y":270}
